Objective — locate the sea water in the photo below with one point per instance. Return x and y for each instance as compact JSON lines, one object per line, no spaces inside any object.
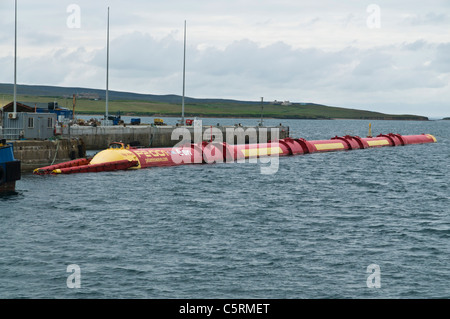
{"x":371,"y":223}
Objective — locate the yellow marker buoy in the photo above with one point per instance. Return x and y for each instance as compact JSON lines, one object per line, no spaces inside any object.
{"x":370,"y":130}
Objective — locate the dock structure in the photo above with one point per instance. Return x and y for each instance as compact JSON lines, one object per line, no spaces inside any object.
{"x":35,"y":153}
{"x":99,"y":137}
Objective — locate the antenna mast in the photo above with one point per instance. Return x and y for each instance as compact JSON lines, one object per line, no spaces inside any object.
{"x":184,"y":75}
{"x":262,"y":108}
{"x":15,"y":60}
{"x":107,"y":68}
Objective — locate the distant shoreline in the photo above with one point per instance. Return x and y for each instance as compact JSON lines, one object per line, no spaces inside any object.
{"x":92,"y":101}
{"x":256,"y":118}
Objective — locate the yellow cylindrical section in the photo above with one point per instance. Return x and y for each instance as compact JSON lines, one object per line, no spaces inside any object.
{"x":114,"y":155}
{"x":434,"y":139}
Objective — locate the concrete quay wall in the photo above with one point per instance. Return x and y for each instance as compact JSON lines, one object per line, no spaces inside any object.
{"x":40,"y":153}
{"x":99,"y":137}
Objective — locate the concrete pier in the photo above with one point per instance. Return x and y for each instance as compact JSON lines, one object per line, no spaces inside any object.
{"x":99,"y":137}
{"x":39,"y":153}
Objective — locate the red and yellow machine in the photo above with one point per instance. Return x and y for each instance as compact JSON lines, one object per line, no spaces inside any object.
{"x":121,"y":157}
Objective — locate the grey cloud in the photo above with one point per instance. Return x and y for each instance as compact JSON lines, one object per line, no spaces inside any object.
{"x":139,"y":53}
{"x":39,"y":38}
{"x":396,"y":69}
{"x":405,"y":59}
{"x":416,"y":45}
{"x":140,"y":62}
{"x":276,"y":63}
{"x":372,"y":62}
{"x":244,"y":64}
{"x":441,"y":62}
{"x":430,"y":18}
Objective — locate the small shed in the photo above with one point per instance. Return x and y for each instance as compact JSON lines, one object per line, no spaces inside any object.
{"x":25,"y":123}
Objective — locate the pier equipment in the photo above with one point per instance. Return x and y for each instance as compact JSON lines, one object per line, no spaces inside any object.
{"x":121,"y":157}
{"x":9,"y":168}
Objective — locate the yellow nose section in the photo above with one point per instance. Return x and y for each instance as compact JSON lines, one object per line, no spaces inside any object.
{"x":113,"y":155}
{"x":434,"y":139}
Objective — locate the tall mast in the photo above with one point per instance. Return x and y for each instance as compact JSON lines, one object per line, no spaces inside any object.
{"x":184,"y":74}
{"x":15,"y":60}
{"x":107,"y":67}
{"x":262,"y":108}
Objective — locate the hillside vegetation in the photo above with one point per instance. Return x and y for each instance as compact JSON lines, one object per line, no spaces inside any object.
{"x":170,"y":105}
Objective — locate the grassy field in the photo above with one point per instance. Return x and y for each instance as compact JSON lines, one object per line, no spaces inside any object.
{"x":210,"y":109}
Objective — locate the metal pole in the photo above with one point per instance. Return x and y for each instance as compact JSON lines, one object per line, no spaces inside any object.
{"x":262,"y":108}
{"x":15,"y":61}
{"x":107,"y":67}
{"x":73,"y":107}
{"x":184,"y":74}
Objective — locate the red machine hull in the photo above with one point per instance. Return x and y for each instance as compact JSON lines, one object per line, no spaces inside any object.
{"x":215,"y":152}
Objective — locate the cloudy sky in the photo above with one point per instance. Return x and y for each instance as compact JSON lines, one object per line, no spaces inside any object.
{"x":379,"y":55}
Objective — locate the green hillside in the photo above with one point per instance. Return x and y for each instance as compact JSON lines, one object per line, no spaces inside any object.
{"x":170,"y":105}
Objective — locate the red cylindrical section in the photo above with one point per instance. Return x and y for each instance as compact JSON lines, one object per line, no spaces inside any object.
{"x":329,"y":145}
{"x":419,"y":139}
{"x":391,"y":138}
{"x":294,"y":146}
{"x":197,"y":153}
{"x":378,"y":141}
{"x":262,"y":149}
{"x":362,"y":144}
{"x":51,"y":168}
{"x":352,"y":144}
{"x":306,"y":145}
{"x":216,"y":152}
{"x":104,"y":167}
{"x":150,"y":157}
{"x":397,"y":139}
{"x":354,"y":141}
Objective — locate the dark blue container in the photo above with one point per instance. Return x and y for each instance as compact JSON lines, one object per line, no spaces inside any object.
{"x":9,"y":167}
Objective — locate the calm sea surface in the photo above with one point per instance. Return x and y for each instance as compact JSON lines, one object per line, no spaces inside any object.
{"x":227,"y":231}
